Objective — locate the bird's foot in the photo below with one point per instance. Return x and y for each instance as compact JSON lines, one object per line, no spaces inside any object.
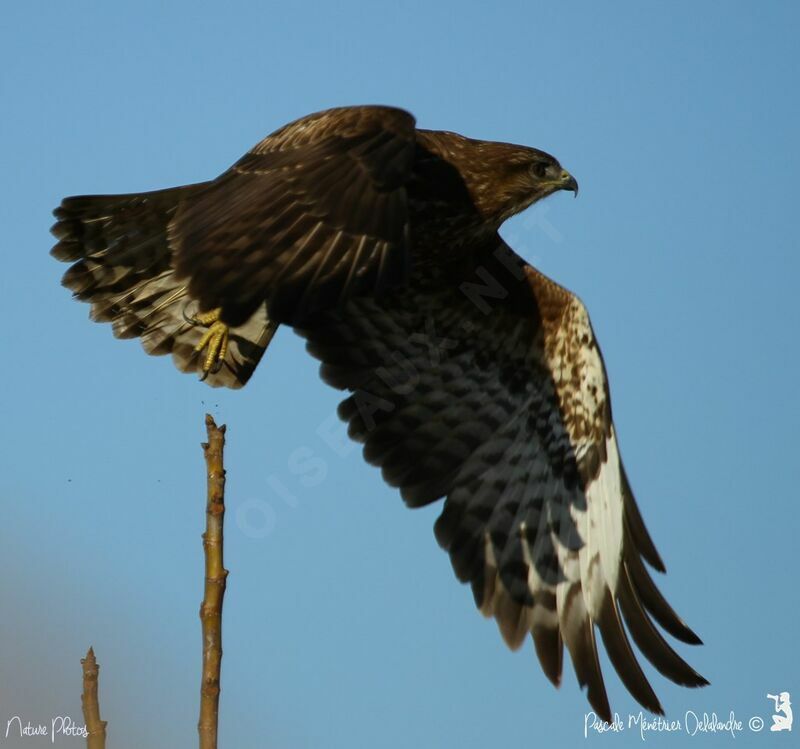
{"x":214,"y":340}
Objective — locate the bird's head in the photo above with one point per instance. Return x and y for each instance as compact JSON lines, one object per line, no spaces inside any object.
{"x":515,"y":178}
{"x":502,"y":179}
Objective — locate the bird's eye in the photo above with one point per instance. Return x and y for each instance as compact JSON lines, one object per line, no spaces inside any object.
{"x":539,"y":169}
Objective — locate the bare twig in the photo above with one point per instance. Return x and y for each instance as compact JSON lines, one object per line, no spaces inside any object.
{"x":95,"y":728}
{"x":211,"y":608}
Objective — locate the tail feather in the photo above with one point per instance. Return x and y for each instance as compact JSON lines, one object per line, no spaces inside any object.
{"x":123,"y":265}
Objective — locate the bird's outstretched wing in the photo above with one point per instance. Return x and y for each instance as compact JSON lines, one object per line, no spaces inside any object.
{"x":314,"y":213}
{"x":490,"y":390}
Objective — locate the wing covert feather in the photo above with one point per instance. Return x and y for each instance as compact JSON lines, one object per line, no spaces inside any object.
{"x":313,"y":214}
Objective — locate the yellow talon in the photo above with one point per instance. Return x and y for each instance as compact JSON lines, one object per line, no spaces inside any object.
{"x":215,"y":339}
{"x":206,"y":318}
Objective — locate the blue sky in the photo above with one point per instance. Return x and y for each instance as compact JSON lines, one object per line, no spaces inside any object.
{"x":344,"y":624}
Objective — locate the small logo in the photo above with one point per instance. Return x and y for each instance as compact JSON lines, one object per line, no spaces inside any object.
{"x":782,"y":705}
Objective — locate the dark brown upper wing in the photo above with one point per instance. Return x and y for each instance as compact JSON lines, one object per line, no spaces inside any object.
{"x":313,"y":214}
{"x":488,"y":389}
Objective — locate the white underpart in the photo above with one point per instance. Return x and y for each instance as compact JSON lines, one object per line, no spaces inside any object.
{"x":605,"y":503}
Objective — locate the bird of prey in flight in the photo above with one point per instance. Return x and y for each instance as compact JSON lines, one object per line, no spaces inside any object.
{"x":471,"y":376}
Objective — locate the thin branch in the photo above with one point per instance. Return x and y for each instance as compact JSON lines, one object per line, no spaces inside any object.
{"x":211,"y":608}
{"x":96,"y":728}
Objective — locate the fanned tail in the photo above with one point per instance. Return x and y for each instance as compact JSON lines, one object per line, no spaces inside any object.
{"x":123,"y":265}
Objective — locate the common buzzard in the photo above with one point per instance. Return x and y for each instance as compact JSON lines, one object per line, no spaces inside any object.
{"x":471,"y":375}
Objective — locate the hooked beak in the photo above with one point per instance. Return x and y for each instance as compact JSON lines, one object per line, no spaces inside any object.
{"x":568,"y":182}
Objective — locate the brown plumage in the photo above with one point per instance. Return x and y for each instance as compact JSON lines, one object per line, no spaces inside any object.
{"x":472,"y":376}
